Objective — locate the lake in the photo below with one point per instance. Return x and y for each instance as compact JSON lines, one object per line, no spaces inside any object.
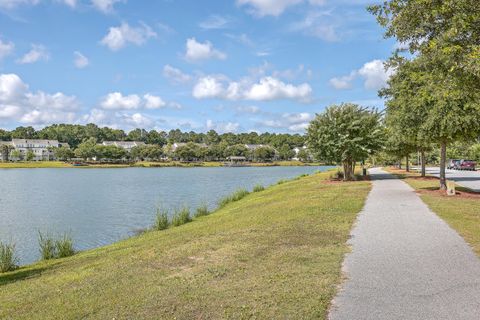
{"x":101,"y":206}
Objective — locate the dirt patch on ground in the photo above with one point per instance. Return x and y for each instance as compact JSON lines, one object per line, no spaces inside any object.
{"x":458,"y":194}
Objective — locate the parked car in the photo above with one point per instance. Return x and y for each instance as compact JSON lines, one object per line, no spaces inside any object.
{"x":467,"y":165}
{"x":453,"y":163}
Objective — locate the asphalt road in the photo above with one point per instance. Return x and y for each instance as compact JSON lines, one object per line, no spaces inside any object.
{"x":468,"y":179}
{"x":406,"y":263}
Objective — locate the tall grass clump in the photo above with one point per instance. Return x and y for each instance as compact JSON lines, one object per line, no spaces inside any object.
{"x":258,"y":188}
{"x":161,"y":220}
{"x":51,"y":248}
{"x":64,"y":246}
{"x":281,"y":181}
{"x":47,"y":246}
{"x":237,"y":195}
{"x":8,"y":260}
{"x":181,"y":216}
{"x":202,"y":211}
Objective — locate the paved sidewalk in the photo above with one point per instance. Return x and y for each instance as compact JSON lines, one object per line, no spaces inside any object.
{"x":406,"y":263}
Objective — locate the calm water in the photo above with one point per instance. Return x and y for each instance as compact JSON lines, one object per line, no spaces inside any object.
{"x":101,"y":206}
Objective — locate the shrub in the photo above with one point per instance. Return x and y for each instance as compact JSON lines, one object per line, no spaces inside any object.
{"x":47,"y":246}
{"x":181,"y":216}
{"x":258,"y":188}
{"x":64,"y":246}
{"x":237,"y":195}
{"x":8,"y":260}
{"x":202,"y":211}
{"x":161,"y":220}
{"x":338,"y":175}
{"x":281,"y":181}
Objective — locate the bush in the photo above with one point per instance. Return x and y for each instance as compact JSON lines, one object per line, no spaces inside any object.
{"x":161,"y":220}
{"x":237,"y":195}
{"x":181,"y":216}
{"x":258,"y":188}
{"x":202,"y":211}
{"x":47,"y":246}
{"x":338,"y":175}
{"x":64,"y":246}
{"x":281,"y":181}
{"x":8,"y":260}
{"x":51,"y":248}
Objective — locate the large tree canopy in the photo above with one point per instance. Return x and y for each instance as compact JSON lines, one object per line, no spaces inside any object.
{"x":345,"y":134}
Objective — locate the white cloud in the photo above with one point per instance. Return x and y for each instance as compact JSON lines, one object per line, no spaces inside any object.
{"x":17,"y":103}
{"x":343,"y":82}
{"x":374,"y":74}
{"x":6,"y":48}
{"x":248,"y":109}
{"x":175,"y":75}
{"x":80,"y":60}
{"x":214,"y":22}
{"x":196,"y":51}
{"x":295,"y":122}
{"x":153,"y":102}
{"x":208,"y":87}
{"x":222,"y":127}
{"x":317,"y":24}
{"x":116,"y":100}
{"x":10,"y":4}
{"x":267,"y":88}
{"x":70,"y":3}
{"x":263,"y":8}
{"x":119,"y":37}
{"x":37,"y":53}
{"x":105,"y":6}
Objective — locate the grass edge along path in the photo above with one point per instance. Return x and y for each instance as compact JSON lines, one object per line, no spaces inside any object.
{"x":460,"y":212}
{"x":276,"y":253}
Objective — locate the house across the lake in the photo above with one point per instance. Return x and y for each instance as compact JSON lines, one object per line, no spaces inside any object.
{"x":42,"y":150}
{"x":127,"y":145}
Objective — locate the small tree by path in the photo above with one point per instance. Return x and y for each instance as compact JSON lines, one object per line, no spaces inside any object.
{"x":345,"y":134}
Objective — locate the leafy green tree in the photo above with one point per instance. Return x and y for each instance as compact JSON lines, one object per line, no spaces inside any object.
{"x":237,"y":150}
{"x":24,"y":133}
{"x":63,"y":153}
{"x":303,"y":155}
{"x":15,"y":154}
{"x":285,"y":152}
{"x":86,"y":149}
{"x":5,"y":150}
{"x":30,"y":155}
{"x":345,"y":134}
{"x":474,"y":152}
{"x":263,"y":154}
{"x":190,"y":152}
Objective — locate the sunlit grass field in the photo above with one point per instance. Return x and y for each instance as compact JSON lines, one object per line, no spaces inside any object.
{"x":275,"y":254}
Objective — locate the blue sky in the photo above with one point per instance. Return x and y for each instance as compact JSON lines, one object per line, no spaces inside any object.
{"x":228,"y":65}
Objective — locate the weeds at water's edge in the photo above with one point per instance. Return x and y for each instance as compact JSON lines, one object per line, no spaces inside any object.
{"x":8,"y":260}
{"x":51,"y":248}
{"x":202,"y":211}
{"x":181,"y":216}
{"x":258,"y":188}
{"x":161,"y":220}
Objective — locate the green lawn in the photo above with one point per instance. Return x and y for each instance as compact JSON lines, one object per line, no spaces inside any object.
{"x":276,"y":254}
{"x":461,"y":212}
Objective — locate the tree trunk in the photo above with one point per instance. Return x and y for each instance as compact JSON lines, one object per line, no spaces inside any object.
{"x":443,"y":162}
{"x":400,"y":163}
{"x":407,"y":162}
{"x":423,"y":161}
{"x":348,"y":170}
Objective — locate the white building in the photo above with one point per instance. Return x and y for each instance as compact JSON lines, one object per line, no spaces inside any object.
{"x":41,"y":149}
{"x":127,"y":145}
{"x":176,"y":145}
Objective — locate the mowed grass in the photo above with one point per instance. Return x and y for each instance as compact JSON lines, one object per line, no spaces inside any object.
{"x":461,"y":212}
{"x":275,"y":254}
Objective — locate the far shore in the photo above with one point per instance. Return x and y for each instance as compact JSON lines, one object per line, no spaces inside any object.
{"x":146,"y":164}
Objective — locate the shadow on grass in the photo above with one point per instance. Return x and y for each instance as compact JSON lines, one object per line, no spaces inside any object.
{"x":20,"y":274}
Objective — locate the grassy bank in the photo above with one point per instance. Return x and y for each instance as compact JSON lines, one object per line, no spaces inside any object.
{"x":461,"y":212}
{"x":143,"y":164}
{"x":275,"y":254}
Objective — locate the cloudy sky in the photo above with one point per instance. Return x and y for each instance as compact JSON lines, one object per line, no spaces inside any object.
{"x":228,"y":65}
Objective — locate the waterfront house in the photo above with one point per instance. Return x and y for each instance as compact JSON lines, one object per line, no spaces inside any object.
{"x":127,"y":145}
{"x":41,"y":149}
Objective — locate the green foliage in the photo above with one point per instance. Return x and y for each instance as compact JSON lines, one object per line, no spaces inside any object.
{"x":8,"y":260}
{"x":303,"y":155}
{"x":258,"y":188}
{"x":264,"y":153}
{"x":181,"y":216}
{"x":30,"y":155}
{"x":345,"y":133}
{"x":237,"y":195}
{"x":15,"y":154}
{"x":161,"y":220}
{"x":151,"y":152}
{"x":46,"y":243}
{"x":64,"y":246}
{"x":282,"y":181}
{"x":63,"y":153}
{"x":285,"y":152}
{"x":86,"y":149}
{"x":202,"y":211}
{"x":51,"y":248}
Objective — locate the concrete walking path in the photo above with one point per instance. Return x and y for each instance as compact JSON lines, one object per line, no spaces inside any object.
{"x":406,"y":263}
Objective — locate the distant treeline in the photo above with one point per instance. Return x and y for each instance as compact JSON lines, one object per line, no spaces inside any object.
{"x":75,"y":134}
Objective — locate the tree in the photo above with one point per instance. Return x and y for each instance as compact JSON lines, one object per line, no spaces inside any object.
{"x":345,"y":134}
{"x":15,"y":154}
{"x":5,"y":150}
{"x":63,"y":153}
{"x":263,"y":154}
{"x":30,"y":155}
{"x":237,"y":150}
{"x":86,"y":149}
{"x":303,"y":155}
{"x":285,"y":152}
